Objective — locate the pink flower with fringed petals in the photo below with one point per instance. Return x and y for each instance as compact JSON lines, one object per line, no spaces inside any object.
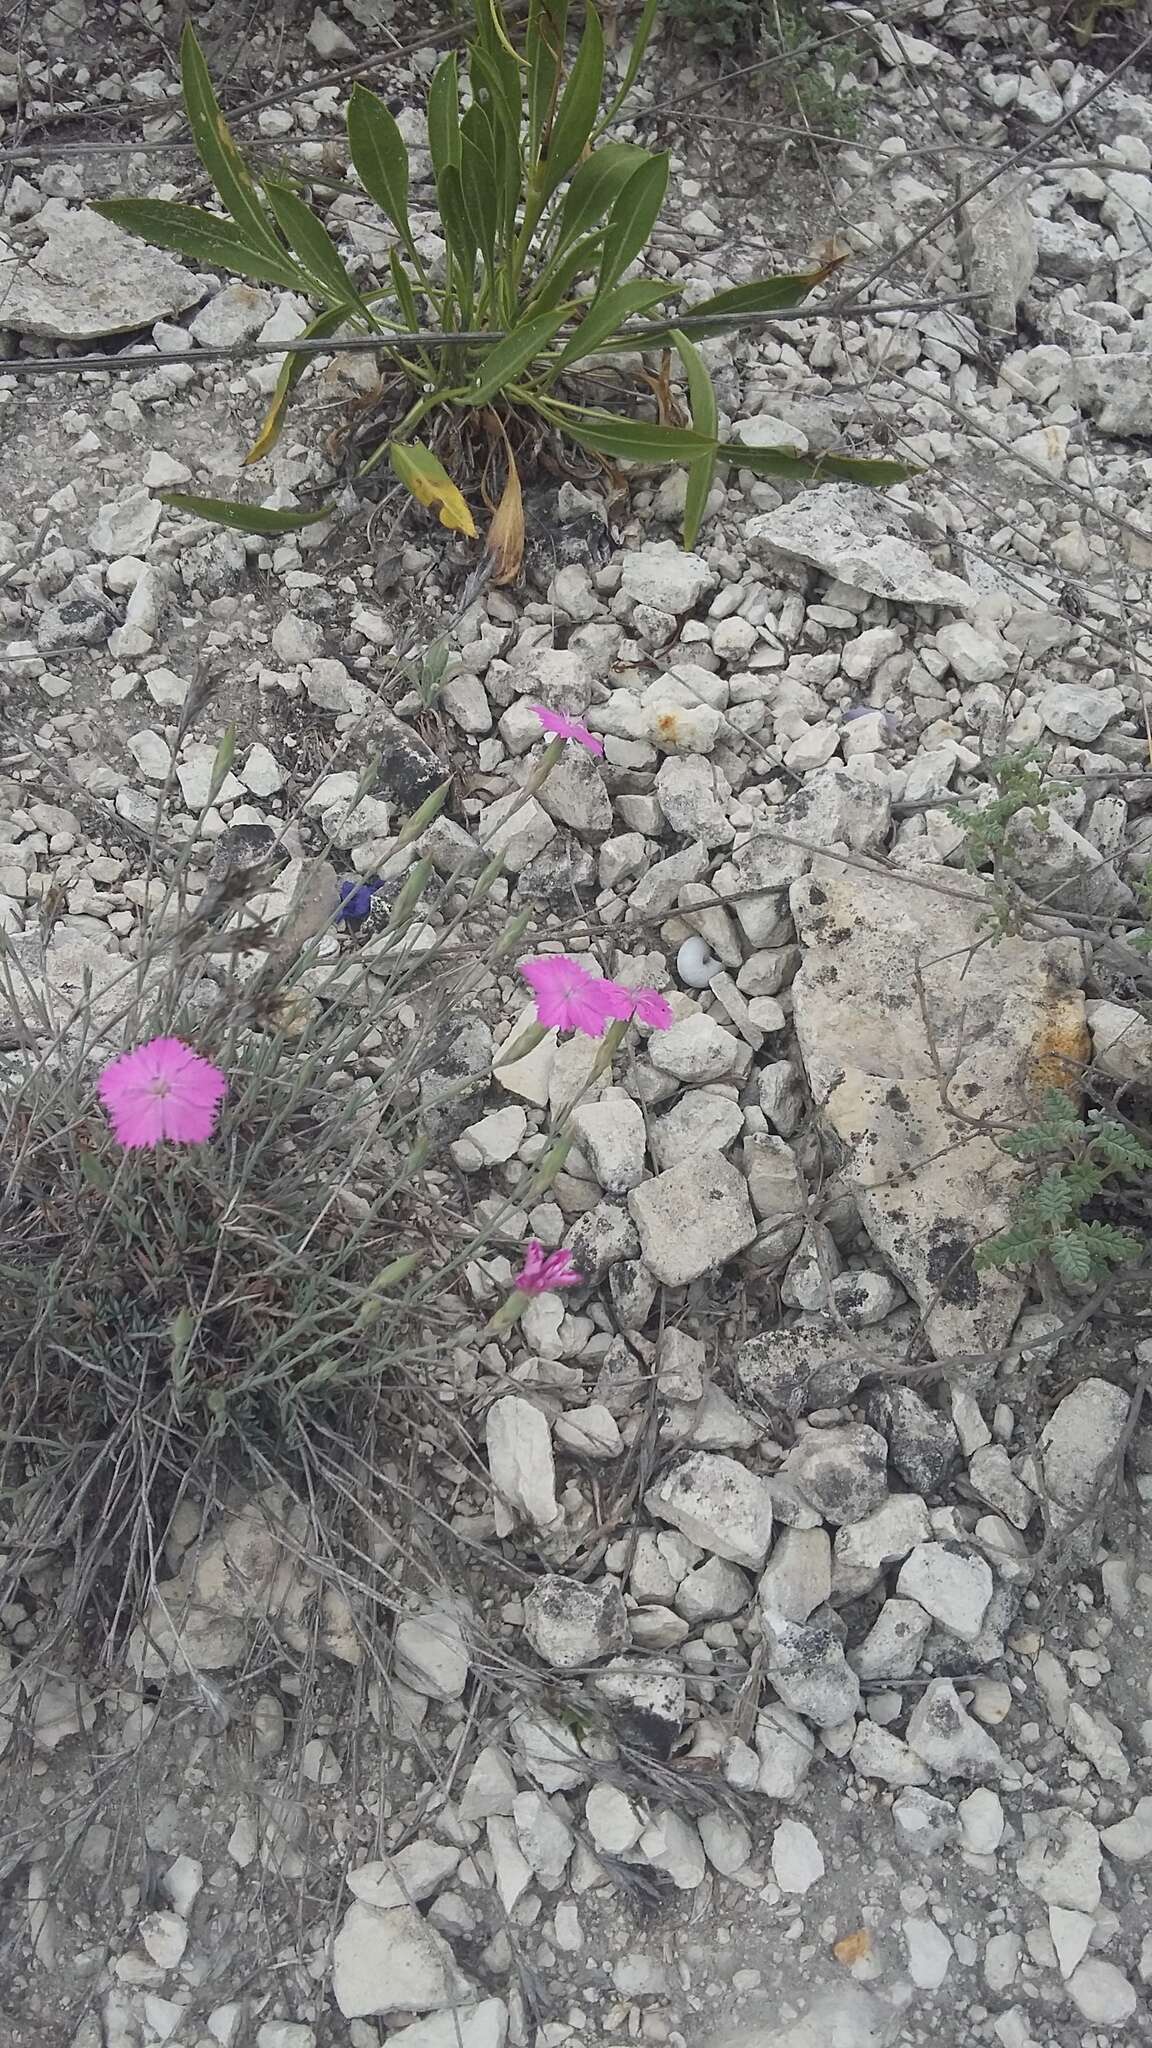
{"x":568,"y":998}
{"x":161,"y":1090}
{"x":564,"y":728}
{"x":649,"y":1007}
{"x":542,"y":1272}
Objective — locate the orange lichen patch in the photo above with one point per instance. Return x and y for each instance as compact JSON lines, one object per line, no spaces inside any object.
{"x":853,"y":1948}
{"x":668,"y":726}
{"x":1060,"y":1049}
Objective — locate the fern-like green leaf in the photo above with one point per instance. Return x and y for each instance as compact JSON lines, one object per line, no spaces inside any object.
{"x":1060,"y":1109}
{"x":1021,"y":1245}
{"x":1035,"y":1141}
{"x":1055,"y":1199}
{"x":1072,"y":1256}
{"x":1082,"y":1179}
{"x":1118,"y":1147}
{"x":1107,"y":1244}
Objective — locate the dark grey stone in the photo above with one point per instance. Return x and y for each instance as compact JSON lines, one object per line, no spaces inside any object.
{"x":922,"y":1443}
{"x":798,"y":1369}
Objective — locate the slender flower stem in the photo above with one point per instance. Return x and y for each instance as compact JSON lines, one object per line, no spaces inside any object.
{"x":543,"y":768}
{"x":609,"y":1046}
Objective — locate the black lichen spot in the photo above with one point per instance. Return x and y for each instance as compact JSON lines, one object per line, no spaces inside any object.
{"x":651,"y":1732}
{"x":851,"y":1297}
{"x":898,"y":1101}
{"x":952,"y":1272}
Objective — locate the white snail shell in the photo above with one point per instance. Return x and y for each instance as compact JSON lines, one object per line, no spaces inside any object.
{"x":695,"y":964}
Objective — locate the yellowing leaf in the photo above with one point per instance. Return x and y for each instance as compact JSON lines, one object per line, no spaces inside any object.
{"x":425,"y":476}
{"x":496,"y":19}
{"x":291,"y":370}
{"x":506,"y":534}
{"x":271,"y":428}
{"x":831,"y":253}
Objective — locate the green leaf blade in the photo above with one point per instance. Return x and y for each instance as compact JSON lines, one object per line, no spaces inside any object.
{"x":243,"y":518}
{"x":544,"y":42}
{"x":498,"y":97}
{"x":634,"y":215}
{"x":856,"y":469}
{"x":312,"y":243}
{"x":705,"y":420}
{"x":627,"y":440}
{"x":608,"y":313}
{"x":216,"y":149}
{"x":512,"y":356}
{"x":459,"y":235}
{"x":640,"y":39}
{"x":1110,"y":1246}
{"x":380,"y":157}
{"x":596,"y":184}
{"x":762,"y":295}
{"x":1015,"y":1247}
{"x":292,"y":369}
{"x":204,"y":237}
{"x":1054,"y":1200}
{"x":402,"y":286}
{"x":578,"y":108}
{"x":561,"y":274}
{"x":444,"y":116}
{"x":480,"y":181}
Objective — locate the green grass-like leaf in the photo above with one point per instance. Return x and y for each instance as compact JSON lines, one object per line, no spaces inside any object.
{"x":216,"y":149}
{"x":595,"y":186}
{"x":626,"y":440}
{"x":292,"y":369}
{"x":577,"y":110}
{"x":204,"y":237}
{"x":512,"y":356}
{"x":313,"y":245}
{"x":243,"y":518}
{"x":544,"y":43}
{"x":705,"y":418}
{"x":634,"y":215}
{"x":380,"y":156}
{"x":444,"y":115}
{"x":606,"y":315}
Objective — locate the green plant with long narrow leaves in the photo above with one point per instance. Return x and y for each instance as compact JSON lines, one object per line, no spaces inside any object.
{"x":1076,"y":1161}
{"x":543,"y":221}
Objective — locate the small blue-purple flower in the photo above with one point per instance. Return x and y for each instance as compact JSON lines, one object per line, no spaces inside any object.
{"x":356,"y":899}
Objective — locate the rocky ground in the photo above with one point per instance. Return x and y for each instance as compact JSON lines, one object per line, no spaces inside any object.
{"x":800,"y":1683}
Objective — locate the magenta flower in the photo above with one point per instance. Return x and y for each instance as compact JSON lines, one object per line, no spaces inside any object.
{"x":646,"y":1005}
{"x":542,"y":1272}
{"x":568,"y":998}
{"x":566,"y":728}
{"x":161,"y":1090}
